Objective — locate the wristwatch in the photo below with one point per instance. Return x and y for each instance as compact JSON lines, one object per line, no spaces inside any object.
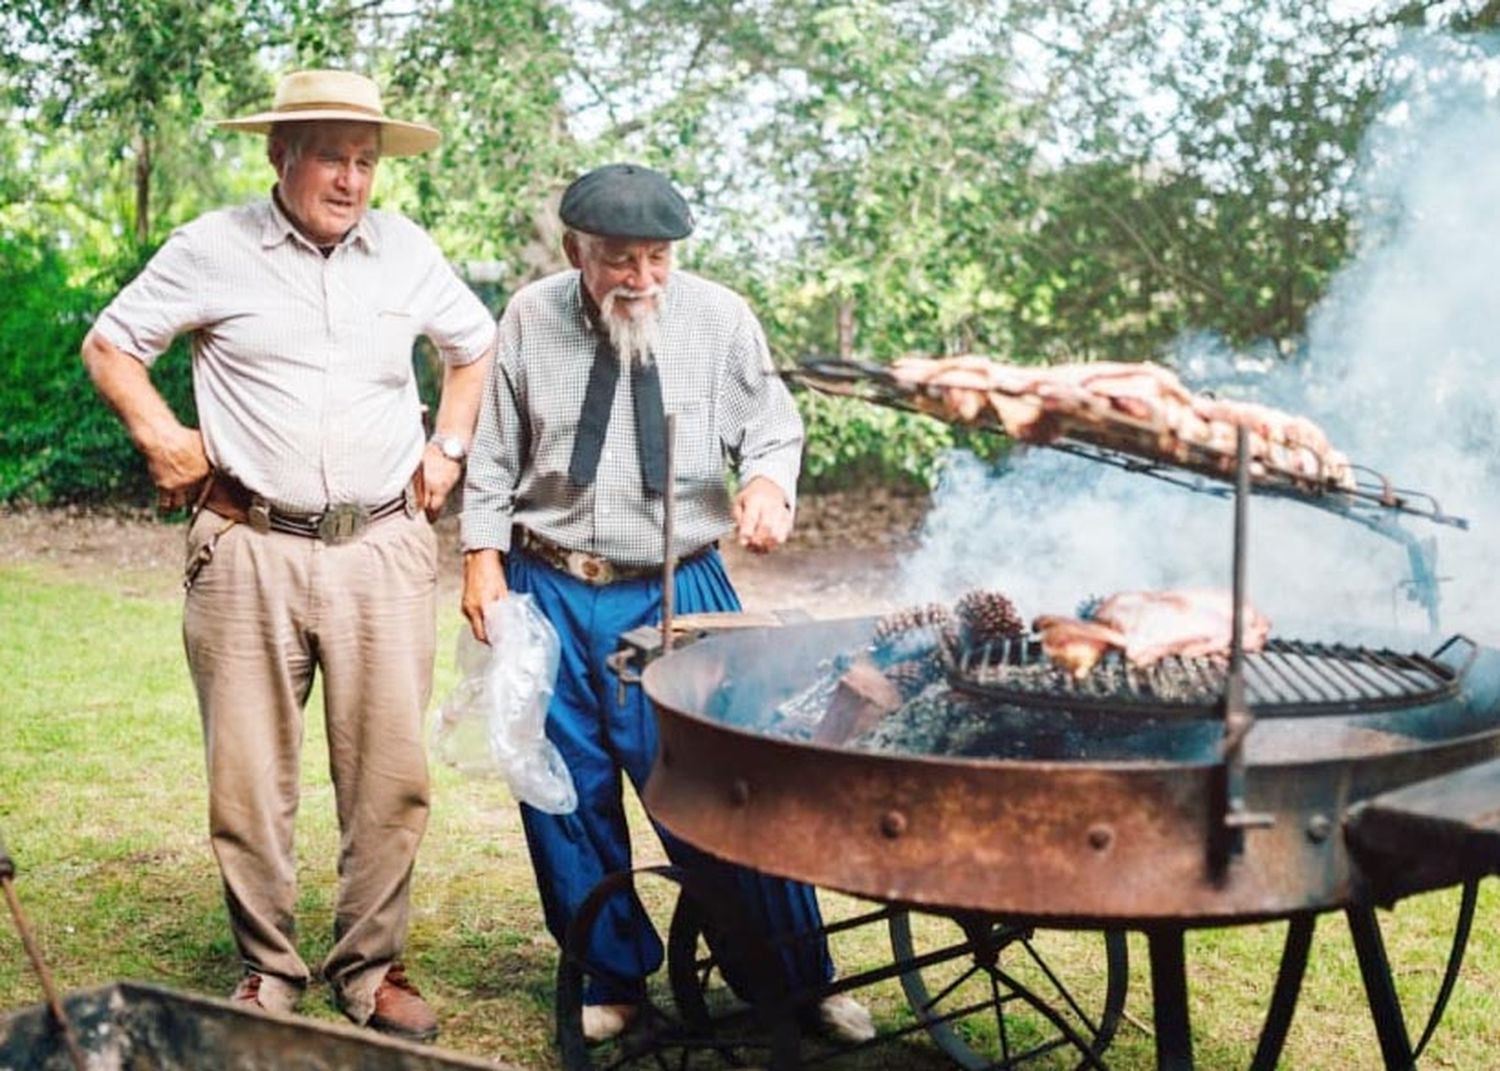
{"x":451,"y":446}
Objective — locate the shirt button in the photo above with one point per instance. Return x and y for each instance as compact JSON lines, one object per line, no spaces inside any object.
{"x":609,"y":455}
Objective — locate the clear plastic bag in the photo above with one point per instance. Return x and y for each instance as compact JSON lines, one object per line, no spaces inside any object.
{"x":492,"y":723}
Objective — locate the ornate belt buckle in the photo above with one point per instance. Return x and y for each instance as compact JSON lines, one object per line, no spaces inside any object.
{"x":342,"y":522}
{"x":409,"y":498}
{"x":258,"y":516}
{"x":590,"y":569}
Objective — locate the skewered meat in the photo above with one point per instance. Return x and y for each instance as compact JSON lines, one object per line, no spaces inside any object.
{"x":1148,"y":626}
{"x":1101,"y":401}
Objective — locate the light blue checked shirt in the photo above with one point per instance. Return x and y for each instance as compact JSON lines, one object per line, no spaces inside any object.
{"x":732,"y":412}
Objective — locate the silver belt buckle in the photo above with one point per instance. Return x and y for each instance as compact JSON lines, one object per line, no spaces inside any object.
{"x":590,"y":569}
{"x":342,"y":522}
{"x":258,"y":516}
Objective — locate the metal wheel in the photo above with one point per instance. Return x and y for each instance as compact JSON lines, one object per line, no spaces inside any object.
{"x":995,"y":996}
{"x":753,"y":1022}
{"x":661,"y":1036}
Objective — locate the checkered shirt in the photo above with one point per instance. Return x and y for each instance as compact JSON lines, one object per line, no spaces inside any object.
{"x":302,"y":365}
{"x":731,"y":410}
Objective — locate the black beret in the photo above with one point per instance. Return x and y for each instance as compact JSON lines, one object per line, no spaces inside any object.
{"x":626,"y":201}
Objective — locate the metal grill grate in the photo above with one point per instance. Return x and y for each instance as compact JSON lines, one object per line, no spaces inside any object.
{"x":1289,"y":677}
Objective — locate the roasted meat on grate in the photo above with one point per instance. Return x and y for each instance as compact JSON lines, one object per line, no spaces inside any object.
{"x":1149,"y":626}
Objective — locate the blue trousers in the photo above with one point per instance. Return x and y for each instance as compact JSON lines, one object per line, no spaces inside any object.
{"x":600,"y":738}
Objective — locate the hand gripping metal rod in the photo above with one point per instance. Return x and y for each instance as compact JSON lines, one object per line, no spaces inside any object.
{"x":34,"y":953}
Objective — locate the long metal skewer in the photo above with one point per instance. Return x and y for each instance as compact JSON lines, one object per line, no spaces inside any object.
{"x":34,"y":953}
{"x":669,"y":563}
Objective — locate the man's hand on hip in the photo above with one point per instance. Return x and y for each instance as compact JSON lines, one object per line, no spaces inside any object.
{"x":484,"y":583}
{"x":762,"y":516}
{"x":178,"y":465}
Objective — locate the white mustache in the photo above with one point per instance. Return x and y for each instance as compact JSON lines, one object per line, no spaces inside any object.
{"x":630,"y":294}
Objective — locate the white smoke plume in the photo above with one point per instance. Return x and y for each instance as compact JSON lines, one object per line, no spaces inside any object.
{"x":1401,"y":367}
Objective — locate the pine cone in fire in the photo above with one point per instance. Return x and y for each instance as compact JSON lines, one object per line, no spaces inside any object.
{"x":915,"y":630}
{"x":988,"y":617}
{"x":913,"y":675}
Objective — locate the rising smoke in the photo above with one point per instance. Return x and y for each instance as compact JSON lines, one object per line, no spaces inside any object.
{"x":1401,"y":367}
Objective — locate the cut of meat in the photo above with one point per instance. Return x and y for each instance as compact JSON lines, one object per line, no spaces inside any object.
{"x":1140,"y":407}
{"x":1149,"y":626}
{"x":1191,"y":624}
{"x":1074,"y":644}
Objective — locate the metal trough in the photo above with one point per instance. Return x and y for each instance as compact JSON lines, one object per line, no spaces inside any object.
{"x":133,"y":1026}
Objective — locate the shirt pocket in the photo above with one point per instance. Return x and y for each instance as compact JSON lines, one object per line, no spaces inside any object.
{"x":392,"y":332}
{"x":697,"y":451}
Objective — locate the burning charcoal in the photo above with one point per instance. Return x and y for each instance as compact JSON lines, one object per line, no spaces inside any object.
{"x":988,"y":617}
{"x":911,"y":676}
{"x":914,"y":631}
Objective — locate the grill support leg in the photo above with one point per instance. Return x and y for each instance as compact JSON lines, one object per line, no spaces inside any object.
{"x":1174,"y":1039}
{"x":1380,"y":989}
{"x":1299,"y":935}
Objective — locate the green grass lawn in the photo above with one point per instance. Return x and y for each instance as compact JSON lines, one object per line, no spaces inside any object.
{"x":102,"y":805}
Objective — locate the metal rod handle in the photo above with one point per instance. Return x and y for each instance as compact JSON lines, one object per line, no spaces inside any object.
{"x":34,"y":953}
{"x":1241,"y":510}
{"x":669,"y":562}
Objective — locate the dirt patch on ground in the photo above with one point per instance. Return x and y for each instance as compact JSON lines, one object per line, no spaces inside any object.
{"x":839,"y":560}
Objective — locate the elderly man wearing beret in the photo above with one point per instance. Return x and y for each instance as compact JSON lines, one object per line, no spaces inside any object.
{"x":563,"y":499}
{"x":309,"y":550}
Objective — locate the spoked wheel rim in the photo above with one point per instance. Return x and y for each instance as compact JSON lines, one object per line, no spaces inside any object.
{"x":752,"y":1028}
{"x":663,"y":1036}
{"x":994,"y":996}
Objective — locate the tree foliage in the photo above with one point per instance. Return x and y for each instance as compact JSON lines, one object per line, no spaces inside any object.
{"x":1059,"y":180}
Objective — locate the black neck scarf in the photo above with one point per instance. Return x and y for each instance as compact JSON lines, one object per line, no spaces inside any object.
{"x":598,"y":400}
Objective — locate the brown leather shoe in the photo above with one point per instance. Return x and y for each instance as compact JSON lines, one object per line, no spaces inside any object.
{"x":248,"y":992}
{"x":400,"y":1009}
{"x":265,"y":993}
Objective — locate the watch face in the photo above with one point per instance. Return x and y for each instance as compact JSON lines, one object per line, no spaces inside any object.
{"x":452,"y":448}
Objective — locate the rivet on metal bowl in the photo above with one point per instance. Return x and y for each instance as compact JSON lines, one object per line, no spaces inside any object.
{"x":1318,"y":828}
{"x":893,"y":824}
{"x":1100,"y":837}
{"x":739,"y":792}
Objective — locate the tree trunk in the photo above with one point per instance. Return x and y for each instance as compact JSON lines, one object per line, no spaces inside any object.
{"x":846,"y":329}
{"x":142,"y":189}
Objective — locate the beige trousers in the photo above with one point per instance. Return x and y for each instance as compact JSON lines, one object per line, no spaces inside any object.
{"x":261,"y":616}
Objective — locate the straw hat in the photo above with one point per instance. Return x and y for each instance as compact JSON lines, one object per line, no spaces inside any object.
{"x":303,"y":96}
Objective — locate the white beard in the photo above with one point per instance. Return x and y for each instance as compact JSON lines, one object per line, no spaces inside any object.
{"x":636,"y":334}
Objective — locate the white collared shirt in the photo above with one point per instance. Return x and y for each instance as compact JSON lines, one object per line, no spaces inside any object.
{"x":302,"y":364}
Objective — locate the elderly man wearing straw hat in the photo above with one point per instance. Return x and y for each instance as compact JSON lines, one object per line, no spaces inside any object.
{"x":310,"y":549}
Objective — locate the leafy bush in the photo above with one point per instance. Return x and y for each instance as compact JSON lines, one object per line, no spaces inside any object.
{"x":852,"y":444}
{"x":59,"y":442}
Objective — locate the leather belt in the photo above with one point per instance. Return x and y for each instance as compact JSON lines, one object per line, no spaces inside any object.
{"x":339,"y":523}
{"x":591,"y":568}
